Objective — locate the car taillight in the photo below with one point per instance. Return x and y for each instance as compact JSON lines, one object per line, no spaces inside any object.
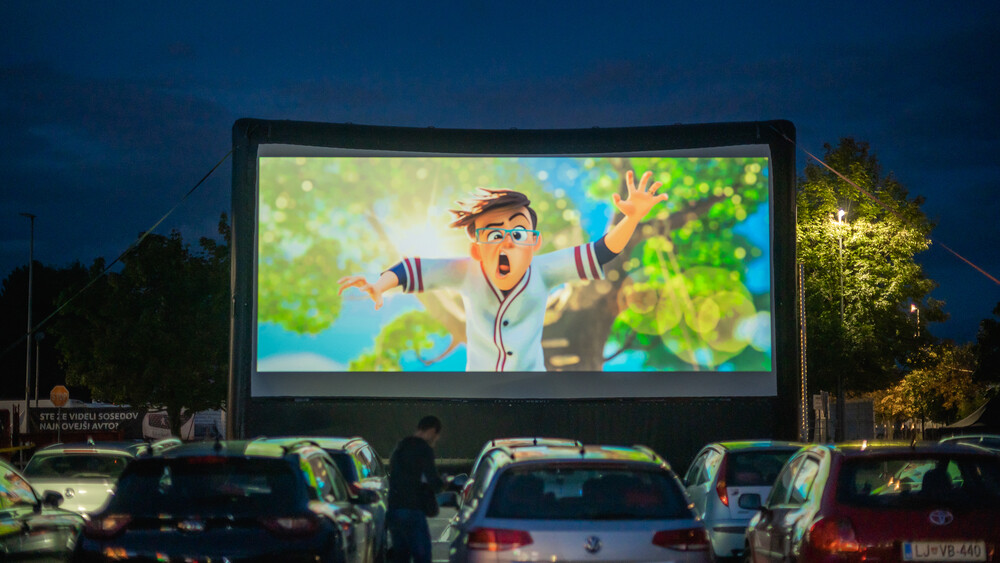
{"x":720,"y":485}
{"x":106,"y":526}
{"x":290,"y":526}
{"x":496,"y":539}
{"x":687,"y":539}
{"x":833,"y":536}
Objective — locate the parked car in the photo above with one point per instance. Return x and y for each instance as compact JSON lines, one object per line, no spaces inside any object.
{"x":33,"y":526}
{"x":83,"y":473}
{"x":860,"y":502}
{"x":362,"y":468}
{"x":988,"y":441}
{"x":468,"y":486}
{"x":721,"y":474}
{"x":240,"y":500}
{"x":569,"y":503}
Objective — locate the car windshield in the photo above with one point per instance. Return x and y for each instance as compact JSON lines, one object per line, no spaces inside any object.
{"x":755,"y":468}
{"x":920,"y":480}
{"x":76,"y":466}
{"x":578,"y":493}
{"x":213,"y":485}
{"x":14,"y":490}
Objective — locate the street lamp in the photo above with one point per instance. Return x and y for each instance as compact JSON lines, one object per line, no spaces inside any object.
{"x":841,"y":400}
{"x":915,"y":309}
{"x":27,"y":367}
{"x":38,"y":362}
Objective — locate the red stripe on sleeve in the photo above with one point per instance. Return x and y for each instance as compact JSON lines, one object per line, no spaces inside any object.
{"x":579,"y":263}
{"x":409,"y":276}
{"x":420,"y":275}
{"x":595,"y":273}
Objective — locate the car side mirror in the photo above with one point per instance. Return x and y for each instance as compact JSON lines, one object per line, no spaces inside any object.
{"x":448,"y":499}
{"x":750,"y":501}
{"x":52,"y":498}
{"x":364,"y":496}
{"x":456,"y":483}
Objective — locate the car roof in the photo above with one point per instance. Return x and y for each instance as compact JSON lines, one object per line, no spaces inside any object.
{"x":864,"y":448}
{"x":325,"y":442}
{"x":129,"y":448}
{"x":233,"y":448}
{"x":740,"y":445}
{"x":587,"y":453}
{"x":531,"y":441}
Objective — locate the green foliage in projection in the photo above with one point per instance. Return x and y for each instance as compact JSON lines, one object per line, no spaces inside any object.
{"x":685,"y":295}
{"x":412,"y":331}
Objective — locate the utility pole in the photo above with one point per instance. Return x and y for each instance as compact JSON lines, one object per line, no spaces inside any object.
{"x":841,"y":399}
{"x":27,"y":366}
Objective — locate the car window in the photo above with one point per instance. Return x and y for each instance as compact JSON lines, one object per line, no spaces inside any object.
{"x":691,"y":477}
{"x":755,"y":468}
{"x":76,"y":465}
{"x":345,"y":463}
{"x":336,"y":484}
{"x":782,"y":485}
{"x":14,"y":490}
{"x":920,"y":480}
{"x":566,"y":492}
{"x":711,"y":468}
{"x":322,"y":476}
{"x":482,"y":477}
{"x":802,"y":484}
{"x":371,"y":461}
{"x":237,"y":486}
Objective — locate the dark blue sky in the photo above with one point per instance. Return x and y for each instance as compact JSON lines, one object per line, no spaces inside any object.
{"x":111,"y":114}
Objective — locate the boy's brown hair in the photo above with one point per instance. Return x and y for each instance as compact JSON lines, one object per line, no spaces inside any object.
{"x":488,"y":200}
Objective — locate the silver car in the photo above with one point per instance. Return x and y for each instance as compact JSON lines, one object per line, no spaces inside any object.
{"x":727,"y":481}
{"x":84,"y":474}
{"x":568,"y":503}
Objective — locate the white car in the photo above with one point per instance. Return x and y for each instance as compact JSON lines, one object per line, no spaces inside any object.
{"x":569,"y":503}
{"x":85,"y":474}
{"x":727,"y":480}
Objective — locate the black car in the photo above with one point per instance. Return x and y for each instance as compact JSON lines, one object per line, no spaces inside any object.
{"x":33,"y":527}
{"x":362,"y":468}
{"x":233,"y":501}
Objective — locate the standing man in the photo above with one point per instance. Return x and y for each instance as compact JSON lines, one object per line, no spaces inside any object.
{"x":412,"y":476}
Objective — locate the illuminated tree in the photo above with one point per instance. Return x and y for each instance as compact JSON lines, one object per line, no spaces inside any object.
{"x":864,"y":260}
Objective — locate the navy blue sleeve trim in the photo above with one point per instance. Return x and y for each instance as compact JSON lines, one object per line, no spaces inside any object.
{"x":604,"y":254}
{"x":400,"y":270}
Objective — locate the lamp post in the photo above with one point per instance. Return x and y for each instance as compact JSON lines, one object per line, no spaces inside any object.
{"x":841,"y":400}
{"x":915,"y":309}
{"x":27,"y":367}
{"x":38,"y":362}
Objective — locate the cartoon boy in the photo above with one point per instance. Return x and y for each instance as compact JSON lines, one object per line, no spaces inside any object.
{"x":504,"y":285}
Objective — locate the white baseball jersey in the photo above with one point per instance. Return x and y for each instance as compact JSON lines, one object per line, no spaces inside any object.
{"x":504,"y":333}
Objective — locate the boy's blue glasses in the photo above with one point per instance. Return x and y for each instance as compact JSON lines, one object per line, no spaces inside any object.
{"x":519,"y":236}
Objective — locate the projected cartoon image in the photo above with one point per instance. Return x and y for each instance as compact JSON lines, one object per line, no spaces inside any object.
{"x":562,"y":264}
{"x":504,"y":296}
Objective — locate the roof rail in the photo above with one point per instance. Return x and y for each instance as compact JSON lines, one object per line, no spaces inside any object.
{"x":648,"y":451}
{"x":285,"y":448}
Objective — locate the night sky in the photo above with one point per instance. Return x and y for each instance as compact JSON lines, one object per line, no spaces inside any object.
{"x":111,"y":114}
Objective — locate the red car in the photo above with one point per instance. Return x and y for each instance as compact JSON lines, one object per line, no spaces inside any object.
{"x":885,"y":503}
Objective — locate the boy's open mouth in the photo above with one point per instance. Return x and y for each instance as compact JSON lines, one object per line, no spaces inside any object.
{"x":503,"y":266}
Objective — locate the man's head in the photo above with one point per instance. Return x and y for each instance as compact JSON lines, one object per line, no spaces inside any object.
{"x":429,"y":428}
{"x":501,"y":224}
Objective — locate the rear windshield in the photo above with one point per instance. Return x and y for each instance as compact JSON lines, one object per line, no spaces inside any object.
{"x":216,"y":485}
{"x":76,"y":466}
{"x":920,"y":480}
{"x":577,"y":493}
{"x":758,"y":468}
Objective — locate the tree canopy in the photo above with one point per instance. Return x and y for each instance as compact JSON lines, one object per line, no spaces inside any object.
{"x":861,"y":262}
{"x":156,"y":333}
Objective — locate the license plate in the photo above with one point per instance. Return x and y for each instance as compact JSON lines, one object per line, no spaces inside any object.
{"x":944,"y":551}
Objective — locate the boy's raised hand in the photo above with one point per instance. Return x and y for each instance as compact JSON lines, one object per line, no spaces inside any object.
{"x":361,"y":283}
{"x":641,"y":199}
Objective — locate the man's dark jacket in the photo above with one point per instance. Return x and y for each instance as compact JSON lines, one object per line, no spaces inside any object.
{"x":411,"y":467}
